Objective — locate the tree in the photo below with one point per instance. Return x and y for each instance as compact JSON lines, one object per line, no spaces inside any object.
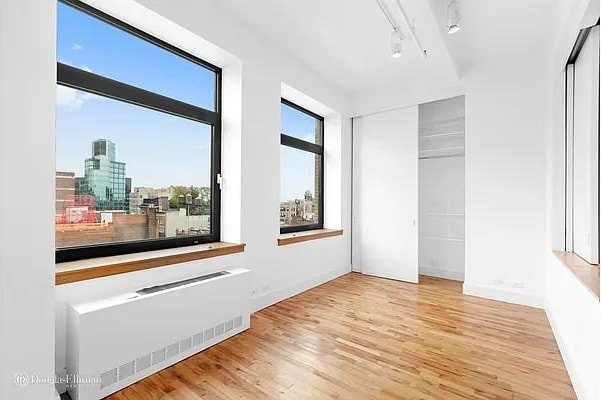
{"x":182,"y":191}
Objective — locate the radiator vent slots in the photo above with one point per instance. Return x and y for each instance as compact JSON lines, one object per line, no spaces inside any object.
{"x":197,"y":339}
{"x":185,"y":344}
{"x":160,"y":288}
{"x":126,"y":370}
{"x":209,"y":334}
{"x":158,"y":356}
{"x":108,"y":378}
{"x":219,"y":330}
{"x":140,"y":364}
{"x":173,"y":350}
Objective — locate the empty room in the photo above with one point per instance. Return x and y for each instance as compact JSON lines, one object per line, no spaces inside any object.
{"x":300,"y":199}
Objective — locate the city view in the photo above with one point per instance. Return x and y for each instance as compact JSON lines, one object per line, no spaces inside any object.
{"x":102,"y":206}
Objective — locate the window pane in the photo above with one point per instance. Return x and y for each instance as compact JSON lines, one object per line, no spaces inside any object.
{"x":88,"y":43}
{"x":128,"y":173}
{"x":299,"y":197}
{"x":300,"y":125}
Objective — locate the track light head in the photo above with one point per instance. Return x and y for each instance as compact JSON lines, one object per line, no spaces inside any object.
{"x":396,"y":43}
{"x":453,"y":16}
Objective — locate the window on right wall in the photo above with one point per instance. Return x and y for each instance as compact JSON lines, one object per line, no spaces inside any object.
{"x":302,"y":175}
{"x":582,"y":217}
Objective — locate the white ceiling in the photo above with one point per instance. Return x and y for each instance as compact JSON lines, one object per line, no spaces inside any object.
{"x":498,"y":31}
{"x":348,"y":42}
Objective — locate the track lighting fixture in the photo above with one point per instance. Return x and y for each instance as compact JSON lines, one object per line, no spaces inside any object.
{"x":396,"y":43}
{"x":453,"y":16}
{"x":397,"y":34}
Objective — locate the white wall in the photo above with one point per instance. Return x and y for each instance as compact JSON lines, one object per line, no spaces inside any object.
{"x":506,"y":122}
{"x":27,"y":76}
{"x":251,"y":165}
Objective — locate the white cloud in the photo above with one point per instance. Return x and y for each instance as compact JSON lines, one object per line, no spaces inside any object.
{"x":76,"y":47}
{"x":69,"y":63}
{"x":72,"y":99}
{"x":309,"y":137}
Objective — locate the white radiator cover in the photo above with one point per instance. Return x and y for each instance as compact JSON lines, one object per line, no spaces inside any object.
{"x":118,"y":341}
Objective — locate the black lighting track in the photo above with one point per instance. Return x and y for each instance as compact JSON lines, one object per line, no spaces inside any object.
{"x":102,"y":86}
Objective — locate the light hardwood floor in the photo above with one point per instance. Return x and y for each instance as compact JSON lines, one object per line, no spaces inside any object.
{"x":361,"y":337}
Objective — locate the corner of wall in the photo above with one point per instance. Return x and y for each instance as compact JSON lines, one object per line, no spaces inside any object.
{"x":507,"y":296}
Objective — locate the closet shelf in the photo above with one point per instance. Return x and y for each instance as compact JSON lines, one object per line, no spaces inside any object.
{"x":443,"y":149}
{"x":435,"y":135}
{"x":447,"y":121}
{"x":443,"y":214}
{"x":441,"y":156}
{"x":442,"y":238}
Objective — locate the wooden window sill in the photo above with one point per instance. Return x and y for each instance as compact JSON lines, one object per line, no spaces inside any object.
{"x":75,"y":271}
{"x":297,"y":237}
{"x":587,"y":274}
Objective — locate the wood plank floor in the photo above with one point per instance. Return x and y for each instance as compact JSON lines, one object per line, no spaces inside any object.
{"x":360,"y":337}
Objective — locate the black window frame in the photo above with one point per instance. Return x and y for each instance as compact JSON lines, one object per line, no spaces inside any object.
{"x":92,"y":83}
{"x":571,"y":61}
{"x":314,"y":148}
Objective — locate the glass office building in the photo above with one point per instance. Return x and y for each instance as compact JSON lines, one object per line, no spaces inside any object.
{"x":105,"y":177}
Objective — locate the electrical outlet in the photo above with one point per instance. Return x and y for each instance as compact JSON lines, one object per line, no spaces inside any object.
{"x":498,"y":282}
{"x":518,"y":285}
{"x":432,"y":262}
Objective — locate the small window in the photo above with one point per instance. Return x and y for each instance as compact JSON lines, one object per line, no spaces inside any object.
{"x":137,"y":140}
{"x":301,"y":195}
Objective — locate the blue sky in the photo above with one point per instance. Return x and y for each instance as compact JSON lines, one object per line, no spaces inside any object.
{"x":159,"y":149}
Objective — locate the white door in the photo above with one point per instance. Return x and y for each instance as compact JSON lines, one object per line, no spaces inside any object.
{"x":385,"y":202}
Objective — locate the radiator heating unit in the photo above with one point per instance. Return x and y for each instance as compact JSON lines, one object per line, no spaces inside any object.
{"x":117,"y":341}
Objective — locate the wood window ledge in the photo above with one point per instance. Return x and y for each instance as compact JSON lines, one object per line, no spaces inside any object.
{"x":587,"y":274}
{"x":75,"y":271}
{"x":297,"y":237}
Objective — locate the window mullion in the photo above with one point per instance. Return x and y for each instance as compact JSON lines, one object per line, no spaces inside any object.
{"x":100,"y":85}
{"x":300,"y":144}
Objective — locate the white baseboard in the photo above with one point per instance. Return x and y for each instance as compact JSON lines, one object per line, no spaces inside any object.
{"x":579,"y":387}
{"x":508,"y":296}
{"x":276,"y":296}
{"x":442,"y":273}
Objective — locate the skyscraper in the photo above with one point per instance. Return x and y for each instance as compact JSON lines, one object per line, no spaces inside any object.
{"x":105,"y":177}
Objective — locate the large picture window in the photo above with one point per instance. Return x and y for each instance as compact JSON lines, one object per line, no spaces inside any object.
{"x":301,"y":196}
{"x":137,"y":140}
{"x":582,"y":215}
